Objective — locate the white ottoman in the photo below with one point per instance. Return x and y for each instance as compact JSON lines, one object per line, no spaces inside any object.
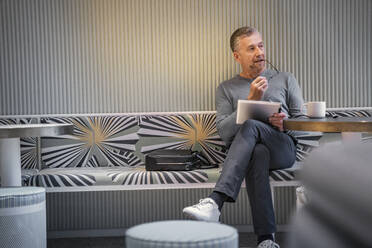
{"x":22,"y":217}
{"x":181,"y":233}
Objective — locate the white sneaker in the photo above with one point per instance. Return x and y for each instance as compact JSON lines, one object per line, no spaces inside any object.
{"x":268,"y":244}
{"x":205,"y":210}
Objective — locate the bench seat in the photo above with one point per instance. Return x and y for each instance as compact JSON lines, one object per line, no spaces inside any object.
{"x":101,"y":176}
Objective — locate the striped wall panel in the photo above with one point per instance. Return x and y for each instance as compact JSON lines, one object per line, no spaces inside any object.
{"x":90,"y":56}
{"x":97,"y":210}
{"x":284,"y":204}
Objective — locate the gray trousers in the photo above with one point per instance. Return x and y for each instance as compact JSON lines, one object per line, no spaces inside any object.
{"x":256,"y":149}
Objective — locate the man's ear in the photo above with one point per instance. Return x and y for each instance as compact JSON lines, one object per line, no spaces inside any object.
{"x":236,"y":56}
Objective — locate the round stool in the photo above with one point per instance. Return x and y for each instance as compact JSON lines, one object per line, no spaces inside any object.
{"x":181,"y":233}
{"x":22,"y":217}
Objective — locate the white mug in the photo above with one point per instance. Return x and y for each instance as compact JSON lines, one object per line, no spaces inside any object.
{"x":315,"y":109}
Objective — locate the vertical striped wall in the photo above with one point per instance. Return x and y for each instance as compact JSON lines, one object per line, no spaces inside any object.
{"x":90,"y":56}
{"x":117,"y":208}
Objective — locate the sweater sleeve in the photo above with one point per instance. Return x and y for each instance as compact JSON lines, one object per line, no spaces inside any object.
{"x":226,"y":116}
{"x":295,"y":100}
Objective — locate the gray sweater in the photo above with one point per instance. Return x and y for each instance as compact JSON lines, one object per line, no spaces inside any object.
{"x":282,"y":87}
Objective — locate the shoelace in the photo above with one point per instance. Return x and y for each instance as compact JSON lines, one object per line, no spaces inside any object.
{"x":203,"y":202}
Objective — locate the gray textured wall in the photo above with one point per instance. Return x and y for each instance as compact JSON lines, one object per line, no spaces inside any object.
{"x":85,"y":56}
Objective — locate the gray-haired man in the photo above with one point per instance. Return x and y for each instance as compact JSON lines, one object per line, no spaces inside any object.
{"x":255,"y":147}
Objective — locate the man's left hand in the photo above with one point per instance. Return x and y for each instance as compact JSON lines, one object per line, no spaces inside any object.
{"x":277,"y":120}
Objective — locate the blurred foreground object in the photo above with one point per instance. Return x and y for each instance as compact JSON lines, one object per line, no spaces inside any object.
{"x":181,"y":234}
{"x":338,"y":182}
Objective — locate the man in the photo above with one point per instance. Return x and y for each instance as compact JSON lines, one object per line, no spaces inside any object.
{"x":255,"y":147}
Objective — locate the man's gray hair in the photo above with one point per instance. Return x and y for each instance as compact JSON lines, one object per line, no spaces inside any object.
{"x":240,"y":32}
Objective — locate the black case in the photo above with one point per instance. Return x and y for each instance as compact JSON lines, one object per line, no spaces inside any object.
{"x":172,"y":160}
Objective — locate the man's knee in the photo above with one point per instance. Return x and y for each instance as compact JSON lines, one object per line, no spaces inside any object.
{"x":250,"y":126}
{"x":250,"y":123}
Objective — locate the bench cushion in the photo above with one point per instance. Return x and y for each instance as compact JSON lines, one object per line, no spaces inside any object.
{"x":75,"y":177}
{"x":101,"y":176}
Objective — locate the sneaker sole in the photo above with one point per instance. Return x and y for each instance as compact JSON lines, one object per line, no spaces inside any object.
{"x":190,"y":216}
{"x":193,"y":217}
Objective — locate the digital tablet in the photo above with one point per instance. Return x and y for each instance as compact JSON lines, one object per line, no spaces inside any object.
{"x":258,"y":110}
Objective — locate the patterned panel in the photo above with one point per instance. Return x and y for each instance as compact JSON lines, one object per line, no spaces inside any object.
{"x":96,"y":141}
{"x":8,"y":121}
{"x":349,"y":113}
{"x":191,"y":131}
{"x":62,"y":180}
{"x":29,"y":154}
{"x":282,"y":175}
{"x":157,"y":177}
{"x":306,"y":143}
{"x":26,"y":174}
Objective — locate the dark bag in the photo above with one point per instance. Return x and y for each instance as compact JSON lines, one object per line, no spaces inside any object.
{"x":175,"y":160}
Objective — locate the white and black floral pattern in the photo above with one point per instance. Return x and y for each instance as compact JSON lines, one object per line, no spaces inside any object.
{"x":96,"y":141}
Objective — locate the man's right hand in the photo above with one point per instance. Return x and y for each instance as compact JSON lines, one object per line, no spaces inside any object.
{"x":257,"y":88}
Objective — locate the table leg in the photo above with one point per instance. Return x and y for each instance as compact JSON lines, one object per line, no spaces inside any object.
{"x":10,"y":162}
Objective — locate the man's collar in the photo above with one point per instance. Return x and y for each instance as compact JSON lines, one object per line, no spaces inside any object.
{"x":268,"y":73}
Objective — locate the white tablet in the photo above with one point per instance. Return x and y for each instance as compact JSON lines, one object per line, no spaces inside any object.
{"x":258,"y":110}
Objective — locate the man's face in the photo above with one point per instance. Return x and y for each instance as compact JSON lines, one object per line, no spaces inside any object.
{"x":250,"y":53}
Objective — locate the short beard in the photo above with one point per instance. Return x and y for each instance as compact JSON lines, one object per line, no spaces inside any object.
{"x":255,"y":70}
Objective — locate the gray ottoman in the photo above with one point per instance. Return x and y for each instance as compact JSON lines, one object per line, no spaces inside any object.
{"x":182,"y":233}
{"x":22,"y":217}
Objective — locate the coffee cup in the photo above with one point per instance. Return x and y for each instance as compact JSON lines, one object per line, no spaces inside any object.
{"x":315,"y":109}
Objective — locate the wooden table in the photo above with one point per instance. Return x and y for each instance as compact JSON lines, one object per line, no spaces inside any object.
{"x":330,"y":125}
{"x":350,"y":127}
{"x":10,"y":155}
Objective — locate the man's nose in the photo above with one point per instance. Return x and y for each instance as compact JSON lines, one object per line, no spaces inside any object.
{"x":259,"y":51}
